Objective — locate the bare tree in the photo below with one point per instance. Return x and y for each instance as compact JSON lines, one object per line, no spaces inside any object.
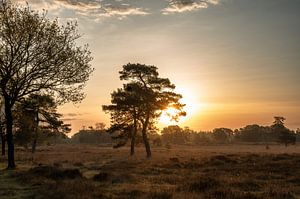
{"x":38,"y":55}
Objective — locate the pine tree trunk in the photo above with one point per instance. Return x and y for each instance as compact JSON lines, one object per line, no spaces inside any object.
{"x":145,"y":137}
{"x":9,"y":134}
{"x":133,"y":135}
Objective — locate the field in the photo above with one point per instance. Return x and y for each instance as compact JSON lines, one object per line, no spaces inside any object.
{"x":81,"y":171}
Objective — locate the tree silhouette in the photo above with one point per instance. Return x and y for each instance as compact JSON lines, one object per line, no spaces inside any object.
{"x":33,"y":111}
{"x":222,"y":135}
{"x":279,"y":121}
{"x":124,"y":113}
{"x":253,"y":133}
{"x":174,"y":134}
{"x":38,"y":55}
{"x":141,"y":100}
{"x":100,"y":126}
{"x":283,"y":134}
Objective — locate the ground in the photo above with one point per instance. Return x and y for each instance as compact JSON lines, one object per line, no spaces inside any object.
{"x":216,"y":172}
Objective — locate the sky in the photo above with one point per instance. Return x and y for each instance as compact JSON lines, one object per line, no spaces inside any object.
{"x":236,"y":62}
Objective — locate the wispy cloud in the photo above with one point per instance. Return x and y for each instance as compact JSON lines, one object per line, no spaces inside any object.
{"x":79,"y":5}
{"x":94,"y":9}
{"x":120,"y":11}
{"x":178,"y":6}
{"x":72,"y":116}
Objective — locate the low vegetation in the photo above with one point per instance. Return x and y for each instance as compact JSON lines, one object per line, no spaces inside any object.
{"x":81,"y":171}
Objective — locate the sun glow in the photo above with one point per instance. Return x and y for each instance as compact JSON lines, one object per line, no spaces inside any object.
{"x":192,"y":107}
{"x":167,"y":116}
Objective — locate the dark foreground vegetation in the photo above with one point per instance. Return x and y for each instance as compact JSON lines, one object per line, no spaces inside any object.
{"x":81,"y":171}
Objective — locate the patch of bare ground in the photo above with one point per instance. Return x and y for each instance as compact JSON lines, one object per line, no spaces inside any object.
{"x":213,"y":172}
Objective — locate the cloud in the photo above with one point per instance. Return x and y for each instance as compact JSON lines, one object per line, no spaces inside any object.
{"x":121,"y":11}
{"x":79,"y":5}
{"x":103,"y":9}
{"x":72,"y":114}
{"x":178,"y":6}
{"x":94,"y":9}
{"x":67,"y":117}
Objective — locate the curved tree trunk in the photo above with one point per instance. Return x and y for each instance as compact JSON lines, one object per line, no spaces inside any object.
{"x":9,"y":134}
{"x":147,"y":145}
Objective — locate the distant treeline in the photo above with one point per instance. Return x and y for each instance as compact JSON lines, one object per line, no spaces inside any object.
{"x":92,"y":136}
{"x":174,"y":134}
{"x":250,"y":133}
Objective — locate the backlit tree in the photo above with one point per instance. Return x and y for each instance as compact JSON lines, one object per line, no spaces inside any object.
{"x":147,"y":95}
{"x":38,"y":55}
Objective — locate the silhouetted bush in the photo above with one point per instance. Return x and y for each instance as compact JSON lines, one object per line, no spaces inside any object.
{"x":92,"y":137}
{"x":54,"y":173}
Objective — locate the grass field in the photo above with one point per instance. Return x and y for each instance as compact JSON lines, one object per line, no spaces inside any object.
{"x":81,"y":171}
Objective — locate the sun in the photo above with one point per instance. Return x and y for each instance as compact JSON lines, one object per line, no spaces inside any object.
{"x":192,"y":107}
{"x":168,"y":115}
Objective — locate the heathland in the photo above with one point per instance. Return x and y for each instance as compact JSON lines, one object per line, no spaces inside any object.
{"x":212,"y":171}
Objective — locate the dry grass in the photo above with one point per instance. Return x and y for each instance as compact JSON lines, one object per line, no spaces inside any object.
{"x":216,"y":172}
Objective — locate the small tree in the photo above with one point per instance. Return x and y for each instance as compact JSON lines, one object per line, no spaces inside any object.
{"x":253,"y":133}
{"x":38,"y":56}
{"x":174,"y":134}
{"x":298,"y":134}
{"x":32,"y":111}
{"x":100,"y":126}
{"x":141,"y":101}
{"x":222,"y":135}
{"x":125,"y":112}
{"x":283,"y":134}
{"x":278,"y":121}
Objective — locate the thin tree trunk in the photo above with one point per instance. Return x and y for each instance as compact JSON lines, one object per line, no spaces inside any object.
{"x":33,"y":149}
{"x":133,"y":135}
{"x":132,"y":144}
{"x":9,"y":134}
{"x":145,"y":137}
{"x":2,"y":141}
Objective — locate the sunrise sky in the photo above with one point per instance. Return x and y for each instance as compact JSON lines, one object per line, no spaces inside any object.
{"x":235,"y":62}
